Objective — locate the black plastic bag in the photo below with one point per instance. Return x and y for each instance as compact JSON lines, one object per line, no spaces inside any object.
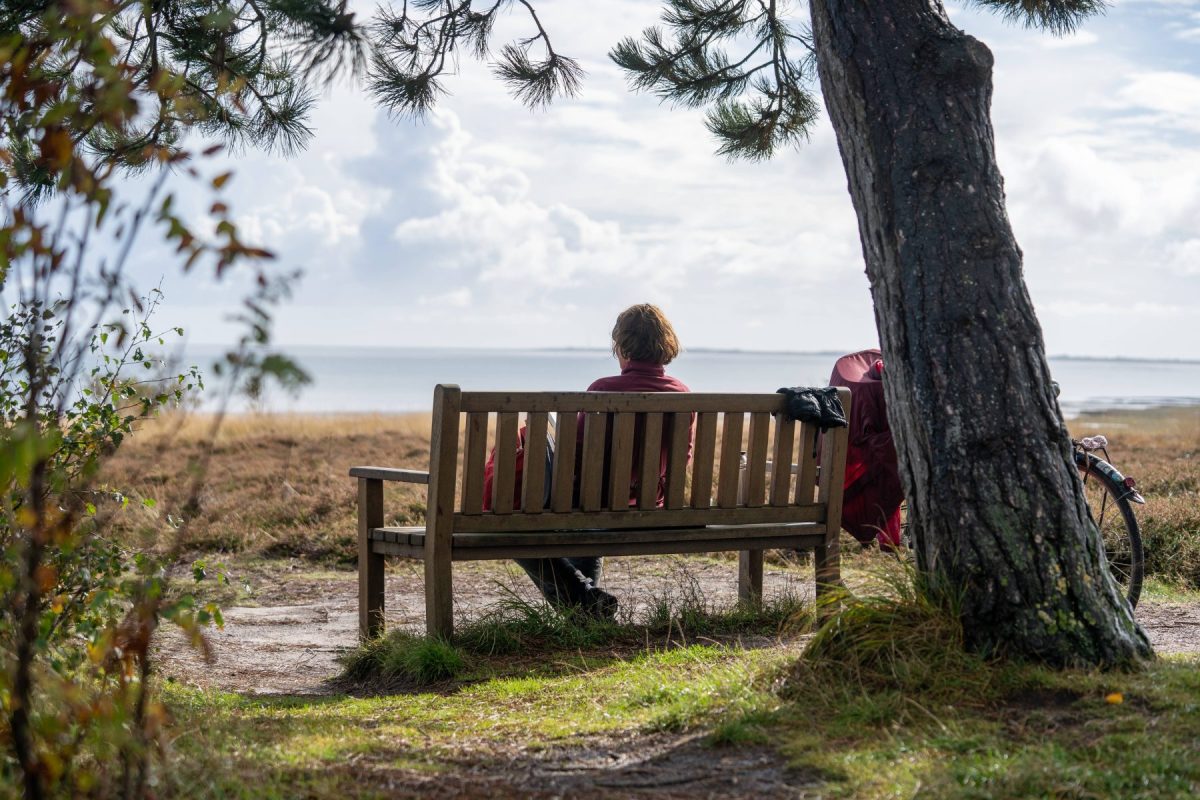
{"x":821,"y":407}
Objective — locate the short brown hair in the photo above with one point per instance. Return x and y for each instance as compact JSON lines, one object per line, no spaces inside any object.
{"x":642,"y":333}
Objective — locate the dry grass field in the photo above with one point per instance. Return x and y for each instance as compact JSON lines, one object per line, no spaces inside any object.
{"x":276,"y":485}
{"x":1160,"y":449}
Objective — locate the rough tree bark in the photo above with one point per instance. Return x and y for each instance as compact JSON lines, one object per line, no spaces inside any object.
{"x":994,"y":500}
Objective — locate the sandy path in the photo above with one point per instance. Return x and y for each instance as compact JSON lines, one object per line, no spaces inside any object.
{"x":289,"y":642}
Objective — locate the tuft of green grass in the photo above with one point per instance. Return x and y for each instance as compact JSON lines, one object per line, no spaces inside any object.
{"x":514,"y":624}
{"x":693,"y":615}
{"x":1169,"y":591}
{"x":901,"y":635}
{"x":752,"y":728}
{"x":405,"y":658}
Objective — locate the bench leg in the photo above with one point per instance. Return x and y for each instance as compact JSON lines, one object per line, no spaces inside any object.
{"x":370,"y":565}
{"x":439,"y":597}
{"x":827,"y":561}
{"x":750,"y":578}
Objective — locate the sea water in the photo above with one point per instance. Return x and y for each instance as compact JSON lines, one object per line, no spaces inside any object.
{"x":393,"y":380}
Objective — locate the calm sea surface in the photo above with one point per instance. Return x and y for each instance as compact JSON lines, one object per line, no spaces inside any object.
{"x":396,"y":380}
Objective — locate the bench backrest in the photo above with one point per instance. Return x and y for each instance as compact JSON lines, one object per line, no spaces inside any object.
{"x":591,"y":489}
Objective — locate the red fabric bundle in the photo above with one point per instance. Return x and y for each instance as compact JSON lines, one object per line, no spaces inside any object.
{"x":871,"y":503}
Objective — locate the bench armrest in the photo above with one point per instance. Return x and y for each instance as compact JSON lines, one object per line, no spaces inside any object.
{"x":385,"y":474}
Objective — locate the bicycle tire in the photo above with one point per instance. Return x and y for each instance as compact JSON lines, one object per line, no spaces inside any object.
{"x":1120,"y":532}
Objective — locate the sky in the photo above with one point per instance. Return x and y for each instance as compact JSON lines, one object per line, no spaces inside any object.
{"x":487,"y":225}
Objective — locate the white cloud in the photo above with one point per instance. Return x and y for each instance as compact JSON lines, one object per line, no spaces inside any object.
{"x":1184,"y":257}
{"x":1080,"y":38}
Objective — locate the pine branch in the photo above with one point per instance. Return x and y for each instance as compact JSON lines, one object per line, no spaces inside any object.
{"x":758,"y":102}
{"x":536,"y":83}
{"x":233,"y":69}
{"x":414,"y":52}
{"x":754,"y":130}
{"x":1060,"y":17}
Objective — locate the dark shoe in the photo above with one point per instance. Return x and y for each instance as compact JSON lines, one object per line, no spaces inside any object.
{"x":601,"y":605}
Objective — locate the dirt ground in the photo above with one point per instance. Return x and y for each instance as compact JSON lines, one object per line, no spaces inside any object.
{"x":288,"y":640}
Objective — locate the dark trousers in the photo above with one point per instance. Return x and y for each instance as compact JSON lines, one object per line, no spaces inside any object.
{"x":564,"y":581}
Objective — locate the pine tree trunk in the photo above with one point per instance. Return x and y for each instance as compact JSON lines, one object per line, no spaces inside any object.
{"x":994,"y":500}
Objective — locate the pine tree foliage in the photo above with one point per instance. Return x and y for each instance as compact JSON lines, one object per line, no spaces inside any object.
{"x":241,"y":72}
{"x":758,"y":102}
{"x":1057,"y":16}
{"x":416,"y":47}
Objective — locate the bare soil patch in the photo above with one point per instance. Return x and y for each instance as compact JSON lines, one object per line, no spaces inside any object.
{"x":302,"y":619}
{"x":657,"y":765}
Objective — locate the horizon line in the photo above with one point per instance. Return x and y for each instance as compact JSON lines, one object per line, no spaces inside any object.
{"x":715,"y":350}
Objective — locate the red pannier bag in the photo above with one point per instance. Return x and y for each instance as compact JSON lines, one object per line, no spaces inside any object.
{"x":872,"y":498}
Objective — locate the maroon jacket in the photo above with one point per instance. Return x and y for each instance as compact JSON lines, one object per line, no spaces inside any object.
{"x":637,"y":376}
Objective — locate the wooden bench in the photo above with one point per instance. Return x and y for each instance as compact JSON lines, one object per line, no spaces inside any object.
{"x":713,"y":502}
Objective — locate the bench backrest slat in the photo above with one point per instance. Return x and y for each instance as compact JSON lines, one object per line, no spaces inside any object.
{"x":612,"y":402}
{"x":703,"y":459}
{"x":806,"y":478}
{"x":562,"y":493}
{"x":731,"y":461}
{"x":756,"y":459}
{"x":621,"y":461}
{"x":474,"y":459}
{"x":649,"y":460}
{"x":533,"y":488}
{"x":781,"y":470}
{"x":504,"y":477}
{"x":679,"y":443}
{"x":591,"y":469}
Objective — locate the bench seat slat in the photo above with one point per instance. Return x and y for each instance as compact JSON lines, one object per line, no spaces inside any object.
{"x":416,"y":536}
{"x":397,"y":535}
{"x":799,"y":542}
{"x":636,"y":518}
{"x":713,"y":532}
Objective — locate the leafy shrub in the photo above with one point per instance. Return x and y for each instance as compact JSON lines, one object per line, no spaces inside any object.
{"x":78,"y":373}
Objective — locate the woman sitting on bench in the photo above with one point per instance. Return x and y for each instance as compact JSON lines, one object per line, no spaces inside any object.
{"x":644,"y":343}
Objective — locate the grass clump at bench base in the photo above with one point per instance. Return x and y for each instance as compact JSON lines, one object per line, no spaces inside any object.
{"x":402,"y":660}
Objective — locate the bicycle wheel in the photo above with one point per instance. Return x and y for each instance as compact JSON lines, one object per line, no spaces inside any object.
{"x":1119,"y":530}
